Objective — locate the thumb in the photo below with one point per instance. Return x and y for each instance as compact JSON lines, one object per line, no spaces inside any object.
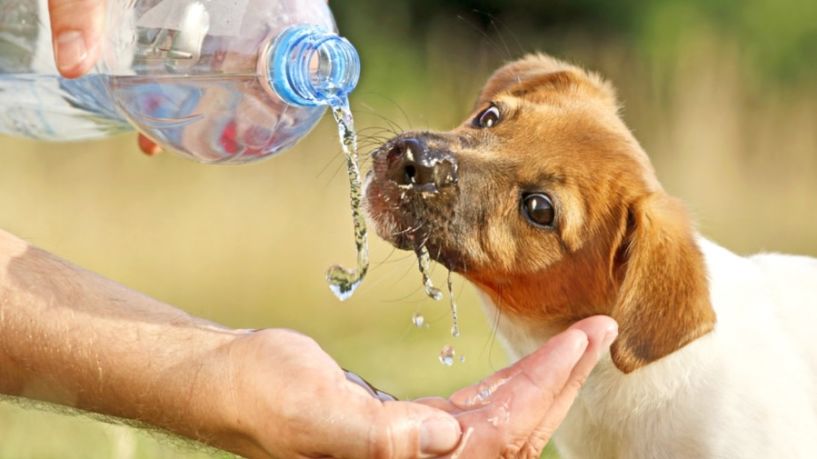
{"x":76,"y":29}
{"x":396,"y":430}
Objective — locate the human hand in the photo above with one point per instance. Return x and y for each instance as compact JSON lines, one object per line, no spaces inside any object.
{"x":76,"y":33}
{"x":76,"y":30}
{"x":513,"y":413}
{"x":271,"y":393}
{"x":288,"y":398}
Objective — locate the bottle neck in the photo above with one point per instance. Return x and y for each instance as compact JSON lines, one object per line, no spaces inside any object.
{"x":308,"y":66}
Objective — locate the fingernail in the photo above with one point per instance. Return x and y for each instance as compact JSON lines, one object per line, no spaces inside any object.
{"x":148,"y":146}
{"x":439,"y":436}
{"x":70,"y":50}
{"x":610,"y":336}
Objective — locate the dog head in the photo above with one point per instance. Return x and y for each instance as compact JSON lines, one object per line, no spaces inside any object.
{"x":545,"y":201}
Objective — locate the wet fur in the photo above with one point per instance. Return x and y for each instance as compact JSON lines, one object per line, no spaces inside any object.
{"x":620,"y":246}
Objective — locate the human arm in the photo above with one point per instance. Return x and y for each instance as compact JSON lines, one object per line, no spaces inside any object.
{"x":71,"y":337}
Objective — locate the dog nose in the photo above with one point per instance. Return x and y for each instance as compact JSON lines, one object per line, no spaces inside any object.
{"x":411,"y":163}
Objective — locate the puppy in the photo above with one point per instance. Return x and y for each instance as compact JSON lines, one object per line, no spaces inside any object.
{"x":544,"y":200}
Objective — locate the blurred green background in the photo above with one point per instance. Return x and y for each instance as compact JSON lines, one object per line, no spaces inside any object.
{"x":721,"y":93}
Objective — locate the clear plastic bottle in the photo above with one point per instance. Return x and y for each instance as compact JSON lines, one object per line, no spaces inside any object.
{"x":224,"y":81}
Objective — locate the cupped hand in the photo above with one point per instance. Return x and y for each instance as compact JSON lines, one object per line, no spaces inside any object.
{"x":513,"y":413}
{"x":288,"y":399}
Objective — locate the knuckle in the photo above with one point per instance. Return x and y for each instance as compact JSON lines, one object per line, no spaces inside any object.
{"x":381,"y":441}
{"x":74,"y":9}
{"x":530,"y":451}
{"x":537,"y":443}
{"x":522,"y":451}
{"x":575,"y":384}
{"x":282,"y":337}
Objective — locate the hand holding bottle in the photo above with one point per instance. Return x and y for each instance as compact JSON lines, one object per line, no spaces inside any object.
{"x":76,"y":29}
{"x":209,"y":80}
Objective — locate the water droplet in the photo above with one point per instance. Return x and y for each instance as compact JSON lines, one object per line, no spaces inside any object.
{"x":455,"y":321}
{"x":484,"y":394}
{"x":424,"y":260}
{"x":502,"y":416}
{"x":418,"y":320}
{"x":447,"y":355}
{"x":344,"y":282}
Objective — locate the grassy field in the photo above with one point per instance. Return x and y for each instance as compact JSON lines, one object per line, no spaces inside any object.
{"x":248,"y":246}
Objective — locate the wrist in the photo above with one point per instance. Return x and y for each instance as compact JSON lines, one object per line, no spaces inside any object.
{"x":218,"y":398}
{"x":71,"y":337}
{"x":260,"y":386}
{"x":199,"y":393}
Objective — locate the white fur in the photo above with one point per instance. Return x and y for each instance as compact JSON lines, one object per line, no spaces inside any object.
{"x":746,"y":390}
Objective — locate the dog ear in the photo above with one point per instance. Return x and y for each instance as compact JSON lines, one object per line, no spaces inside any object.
{"x":547,"y":75}
{"x":663,"y":300}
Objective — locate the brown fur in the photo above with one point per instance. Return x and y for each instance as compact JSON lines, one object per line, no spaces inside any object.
{"x":620,"y":246}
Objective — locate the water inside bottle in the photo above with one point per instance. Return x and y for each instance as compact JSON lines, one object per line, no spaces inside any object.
{"x":343,"y":282}
{"x":47,"y":107}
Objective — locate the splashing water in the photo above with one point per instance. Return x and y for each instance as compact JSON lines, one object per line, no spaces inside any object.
{"x":447,"y":355}
{"x":343,"y":282}
{"x":424,"y":260}
{"x":502,"y":416}
{"x":455,"y":320}
{"x":418,"y":320}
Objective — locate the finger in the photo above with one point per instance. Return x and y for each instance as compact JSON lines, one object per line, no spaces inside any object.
{"x":601,"y":332}
{"x":439,"y":403}
{"x":516,"y":407}
{"x":148,"y":146}
{"x":76,"y":28}
{"x":390,"y":430}
{"x":478,"y":392}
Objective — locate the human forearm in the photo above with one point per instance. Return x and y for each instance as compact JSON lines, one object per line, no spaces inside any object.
{"x":71,"y":337}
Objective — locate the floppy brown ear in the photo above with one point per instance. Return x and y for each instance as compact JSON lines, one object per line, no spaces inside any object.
{"x":663,"y":301}
{"x":542,"y":72}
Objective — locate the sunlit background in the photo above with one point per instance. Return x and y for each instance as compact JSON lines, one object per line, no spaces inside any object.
{"x":722,"y":94}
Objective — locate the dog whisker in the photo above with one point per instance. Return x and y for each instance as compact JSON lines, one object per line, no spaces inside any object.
{"x":486,"y":38}
{"x":495,"y":23}
{"x":396,"y":105}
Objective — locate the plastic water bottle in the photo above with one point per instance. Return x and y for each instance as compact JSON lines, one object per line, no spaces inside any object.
{"x":225,"y":81}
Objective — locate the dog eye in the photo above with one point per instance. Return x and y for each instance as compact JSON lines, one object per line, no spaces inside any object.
{"x":539,"y":210}
{"x":489,"y":118}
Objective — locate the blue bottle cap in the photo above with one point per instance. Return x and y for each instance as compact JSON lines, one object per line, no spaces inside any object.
{"x":310,"y":66}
